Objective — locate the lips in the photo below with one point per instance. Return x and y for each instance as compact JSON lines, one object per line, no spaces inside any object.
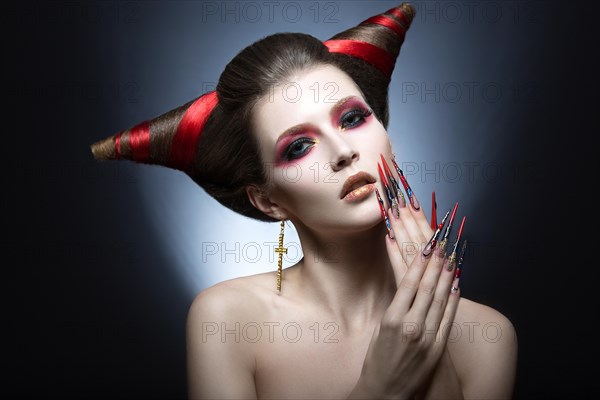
{"x":356,"y":181}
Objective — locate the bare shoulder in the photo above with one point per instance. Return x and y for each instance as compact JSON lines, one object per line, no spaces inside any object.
{"x":483,"y":347}
{"x":233,"y":299}
{"x":490,"y":325}
{"x":219,"y":364}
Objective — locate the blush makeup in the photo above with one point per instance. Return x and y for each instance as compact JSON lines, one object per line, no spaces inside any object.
{"x":348,"y":105}
{"x":304,"y":133}
{"x":348,"y":113}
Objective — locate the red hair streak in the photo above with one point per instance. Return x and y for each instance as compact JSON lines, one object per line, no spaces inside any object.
{"x":379,"y":58}
{"x":398,"y":14}
{"x":118,"y":145}
{"x":387,"y":22}
{"x":189,"y":130}
{"x":139,"y":142}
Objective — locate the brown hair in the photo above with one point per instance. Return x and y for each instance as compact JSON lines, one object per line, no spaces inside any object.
{"x":227,"y":159}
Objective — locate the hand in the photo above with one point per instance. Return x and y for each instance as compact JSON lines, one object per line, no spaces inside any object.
{"x":411,"y":337}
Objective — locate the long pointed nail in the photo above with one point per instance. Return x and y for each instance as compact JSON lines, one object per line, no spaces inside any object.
{"x":444,"y":242}
{"x":397,"y":191}
{"x":389,"y":175}
{"x":433,"y":241}
{"x":384,"y":215}
{"x":441,"y":249}
{"x":393,"y":203}
{"x":433,"y":211}
{"x":395,"y":207}
{"x":411,"y":196}
{"x":451,"y":223}
{"x":413,"y":200}
{"x":401,"y":199}
{"x":452,"y":257}
{"x":459,"y":268}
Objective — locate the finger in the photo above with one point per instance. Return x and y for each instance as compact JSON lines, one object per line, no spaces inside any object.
{"x":442,"y":293}
{"x":418,"y":213}
{"x":447,"y":321}
{"x":415,"y":238}
{"x":400,"y":234}
{"x":399,"y":266}
{"x":409,"y":285}
{"x":405,"y":239}
{"x":412,"y":203}
{"x":421,"y":221}
{"x":429,"y":286}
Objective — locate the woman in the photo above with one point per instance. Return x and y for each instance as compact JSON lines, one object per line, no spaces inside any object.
{"x":373,"y":309}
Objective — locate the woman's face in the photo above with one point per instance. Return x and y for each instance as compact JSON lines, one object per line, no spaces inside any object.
{"x":314,"y":132}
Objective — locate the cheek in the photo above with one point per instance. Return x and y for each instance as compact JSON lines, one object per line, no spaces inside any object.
{"x":297,"y":180}
{"x":300,"y":185}
{"x":378,"y":142}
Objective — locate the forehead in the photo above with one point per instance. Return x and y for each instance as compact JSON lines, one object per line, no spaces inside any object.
{"x":306,"y":97}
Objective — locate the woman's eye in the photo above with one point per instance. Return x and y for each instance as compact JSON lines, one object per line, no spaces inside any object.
{"x":298,"y":148}
{"x":354,"y":118}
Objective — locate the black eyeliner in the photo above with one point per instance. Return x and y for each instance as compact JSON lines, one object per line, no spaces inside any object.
{"x":288,"y":150}
{"x":364,"y":113}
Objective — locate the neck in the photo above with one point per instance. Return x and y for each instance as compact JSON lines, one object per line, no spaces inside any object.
{"x":348,"y":276}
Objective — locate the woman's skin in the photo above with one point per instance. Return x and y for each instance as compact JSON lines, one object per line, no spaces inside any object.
{"x":361,"y":315}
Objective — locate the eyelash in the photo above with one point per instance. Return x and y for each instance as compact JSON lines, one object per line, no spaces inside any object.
{"x":358,"y":112}
{"x":344,"y":124}
{"x":288,"y":152}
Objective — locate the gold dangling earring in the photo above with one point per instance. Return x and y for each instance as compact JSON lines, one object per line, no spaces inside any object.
{"x":280,"y":250}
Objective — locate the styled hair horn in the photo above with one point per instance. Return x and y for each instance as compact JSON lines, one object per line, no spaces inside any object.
{"x":171,"y":139}
{"x":373,"y":47}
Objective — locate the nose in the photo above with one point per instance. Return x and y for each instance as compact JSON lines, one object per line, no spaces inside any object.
{"x":344,"y":152}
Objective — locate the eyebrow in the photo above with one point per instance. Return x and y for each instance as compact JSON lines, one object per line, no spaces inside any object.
{"x":300,"y":127}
